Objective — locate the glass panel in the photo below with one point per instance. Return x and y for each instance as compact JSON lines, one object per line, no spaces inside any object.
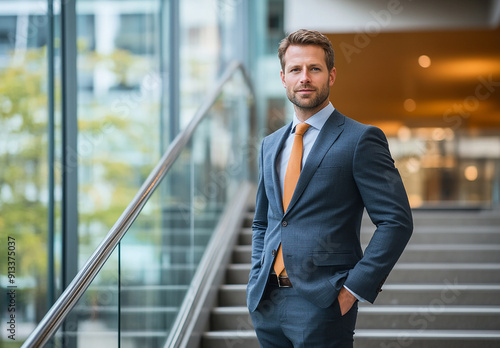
{"x":119,"y":125}
{"x":96,"y":315}
{"x":24,"y":168}
{"x":159,"y":255}
{"x":119,"y":88}
{"x":199,"y":54}
{"x":163,"y":248}
{"x":119,"y":91}
{"x":94,"y":321}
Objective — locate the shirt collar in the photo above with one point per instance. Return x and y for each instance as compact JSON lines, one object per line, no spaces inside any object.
{"x":317,"y":120}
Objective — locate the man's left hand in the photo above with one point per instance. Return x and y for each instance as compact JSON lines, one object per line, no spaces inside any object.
{"x":346,"y":300}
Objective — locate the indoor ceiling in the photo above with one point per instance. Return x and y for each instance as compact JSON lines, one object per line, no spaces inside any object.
{"x":379,"y":78}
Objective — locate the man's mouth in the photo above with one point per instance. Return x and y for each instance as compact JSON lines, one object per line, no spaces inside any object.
{"x":305,"y":90}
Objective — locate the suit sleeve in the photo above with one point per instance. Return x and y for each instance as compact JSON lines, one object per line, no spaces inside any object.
{"x":386,"y":202}
{"x":259,"y":225}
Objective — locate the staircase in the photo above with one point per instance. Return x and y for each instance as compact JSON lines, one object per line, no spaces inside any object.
{"x":443,"y":292}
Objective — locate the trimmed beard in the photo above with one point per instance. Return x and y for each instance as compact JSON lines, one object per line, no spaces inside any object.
{"x":309,"y":103}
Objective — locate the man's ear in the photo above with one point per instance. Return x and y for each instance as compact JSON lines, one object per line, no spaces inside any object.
{"x":333,"y":76}
{"x":282,"y":74}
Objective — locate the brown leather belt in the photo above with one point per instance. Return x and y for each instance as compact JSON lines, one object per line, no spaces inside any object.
{"x":281,"y":281}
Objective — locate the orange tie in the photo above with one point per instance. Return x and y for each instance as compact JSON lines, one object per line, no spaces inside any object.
{"x":291,"y":177}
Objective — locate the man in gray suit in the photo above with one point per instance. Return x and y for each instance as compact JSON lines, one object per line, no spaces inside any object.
{"x":308,"y":268}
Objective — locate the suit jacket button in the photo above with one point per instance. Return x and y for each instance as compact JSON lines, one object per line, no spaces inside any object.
{"x":284,"y":224}
{"x":274,"y":252}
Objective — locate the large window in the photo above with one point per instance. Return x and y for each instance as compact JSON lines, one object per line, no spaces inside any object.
{"x":29,"y":190}
{"x":119,"y":91}
{"x":141,"y":70}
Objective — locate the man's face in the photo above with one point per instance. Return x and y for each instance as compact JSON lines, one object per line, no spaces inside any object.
{"x":307,"y":79}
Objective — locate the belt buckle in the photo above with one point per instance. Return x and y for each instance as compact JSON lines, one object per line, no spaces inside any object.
{"x":279,"y":283}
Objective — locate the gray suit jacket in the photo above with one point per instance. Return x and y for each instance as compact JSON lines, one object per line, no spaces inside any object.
{"x":348,"y":169}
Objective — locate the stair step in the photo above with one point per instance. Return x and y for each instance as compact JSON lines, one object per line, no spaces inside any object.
{"x":374,"y":339}
{"x":420,"y":273}
{"x":236,"y":339}
{"x":425,"y":235}
{"x":460,"y":273}
{"x":454,"y":218}
{"x":248,"y":220}
{"x":433,"y":317}
{"x":446,"y":292}
{"x":426,"y":338}
{"x":436,"y":316}
{"x":245,"y":237}
{"x":230,"y":318}
{"x":446,"y":235}
{"x":232,"y":295}
{"x":242,"y":254}
{"x":400,"y":294}
{"x":238,"y":273}
{"x":479,"y":253}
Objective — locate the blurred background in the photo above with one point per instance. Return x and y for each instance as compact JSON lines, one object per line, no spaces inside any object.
{"x":93,"y":92}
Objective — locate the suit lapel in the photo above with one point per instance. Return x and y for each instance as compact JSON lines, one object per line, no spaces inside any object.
{"x":331,"y":130}
{"x":281,"y":137}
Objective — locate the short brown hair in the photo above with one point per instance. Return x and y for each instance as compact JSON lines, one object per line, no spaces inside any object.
{"x":307,"y":37}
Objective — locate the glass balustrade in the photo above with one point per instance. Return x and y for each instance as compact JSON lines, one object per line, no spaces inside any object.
{"x":136,"y":297}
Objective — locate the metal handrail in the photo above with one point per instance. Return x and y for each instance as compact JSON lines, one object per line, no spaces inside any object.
{"x":68,"y":299}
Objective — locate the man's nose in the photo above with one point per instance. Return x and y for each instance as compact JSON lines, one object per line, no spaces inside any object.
{"x":304,"y":77}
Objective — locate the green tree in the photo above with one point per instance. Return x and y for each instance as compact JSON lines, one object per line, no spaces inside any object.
{"x":24,"y":163}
